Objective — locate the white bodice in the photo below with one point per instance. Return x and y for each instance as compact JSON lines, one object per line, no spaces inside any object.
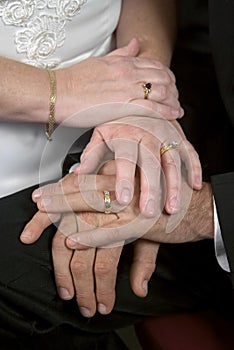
{"x":50,"y":34}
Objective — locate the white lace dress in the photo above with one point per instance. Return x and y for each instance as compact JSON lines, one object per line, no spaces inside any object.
{"x":49,"y":34}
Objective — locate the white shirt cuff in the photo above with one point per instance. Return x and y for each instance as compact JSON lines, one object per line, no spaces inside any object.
{"x":218,"y":242}
{"x":72,"y":168}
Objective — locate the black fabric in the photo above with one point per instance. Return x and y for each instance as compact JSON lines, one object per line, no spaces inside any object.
{"x":206,"y":122}
{"x":221,"y":14}
{"x":193,"y":23}
{"x":59,"y":339}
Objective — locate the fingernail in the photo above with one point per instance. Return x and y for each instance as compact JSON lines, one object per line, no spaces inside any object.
{"x":198,"y":180}
{"x":145,"y":286}
{"x":151,"y":207}
{"x":26,"y":235}
{"x":174,"y":203}
{"x":125,"y":195}
{"x":73,"y":168}
{"x":71,"y":243}
{"x":37,"y":194}
{"x":63,"y":293}
{"x":124,"y":190}
{"x":46,"y":201}
{"x":85,"y":312}
{"x":102,"y":309}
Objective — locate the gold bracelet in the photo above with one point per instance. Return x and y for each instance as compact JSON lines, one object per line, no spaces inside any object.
{"x":51,"y":121}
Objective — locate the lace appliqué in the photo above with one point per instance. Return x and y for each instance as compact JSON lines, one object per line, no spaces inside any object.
{"x":41,"y":33}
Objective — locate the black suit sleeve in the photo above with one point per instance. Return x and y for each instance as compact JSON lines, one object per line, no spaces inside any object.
{"x":223,"y":189}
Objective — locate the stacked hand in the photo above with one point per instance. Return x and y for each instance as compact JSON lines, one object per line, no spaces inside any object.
{"x":91,"y":264}
{"x":88,"y":274}
{"x":88,"y":244}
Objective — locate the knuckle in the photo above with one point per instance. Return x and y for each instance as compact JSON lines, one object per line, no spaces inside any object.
{"x":150,"y":105}
{"x":190,"y":149}
{"x":166,"y":77}
{"x":121,"y":70}
{"x":61,"y":279}
{"x":161,"y":109}
{"x":170,"y":167}
{"x":67,"y":227}
{"x":169,"y":162}
{"x":106,"y":294}
{"x":159,"y":65}
{"x":102,"y":269}
{"x":176,"y":93}
{"x":82,"y":181}
{"x":83,"y":294}
{"x":150,"y":163}
{"x":58,"y":242}
{"x":149,"y":266}
{"x":79,"y":267}
{"x":163,"y":91}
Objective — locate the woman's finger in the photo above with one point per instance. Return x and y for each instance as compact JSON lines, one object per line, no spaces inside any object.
{"x":171,"y":166}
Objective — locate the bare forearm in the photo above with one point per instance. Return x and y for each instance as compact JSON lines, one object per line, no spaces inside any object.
{"x":24,"y":92}
{"x":153,"y":22}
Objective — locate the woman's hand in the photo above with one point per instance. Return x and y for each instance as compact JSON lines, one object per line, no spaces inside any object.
{"x":135,"y":142}
{"x":91,"y":92}
{"x":100,"y":89}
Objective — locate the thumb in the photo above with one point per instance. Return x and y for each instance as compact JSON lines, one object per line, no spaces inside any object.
{"x":131,"y":49}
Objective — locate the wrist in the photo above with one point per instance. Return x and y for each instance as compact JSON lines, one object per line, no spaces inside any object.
{"x":69,"y":98}
{"x":202,"y":205}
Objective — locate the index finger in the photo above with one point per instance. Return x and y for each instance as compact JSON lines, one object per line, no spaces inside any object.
{"x":114,"y":235}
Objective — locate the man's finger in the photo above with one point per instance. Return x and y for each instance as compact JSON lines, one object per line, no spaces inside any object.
{"x":35,"y":227}
{"x":143,"y":266}
{"x":61,"y":260}
{"x":82,"y":272}
{"x":105,"y":270}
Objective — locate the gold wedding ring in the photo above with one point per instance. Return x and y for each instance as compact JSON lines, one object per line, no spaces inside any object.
{"x":165,"y":148}
{"x":107,"y":202}
{"x":147,"y":89}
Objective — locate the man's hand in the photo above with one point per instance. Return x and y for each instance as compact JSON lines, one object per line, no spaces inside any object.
{"x":89,"y":275}
{"x":194,"y":221}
